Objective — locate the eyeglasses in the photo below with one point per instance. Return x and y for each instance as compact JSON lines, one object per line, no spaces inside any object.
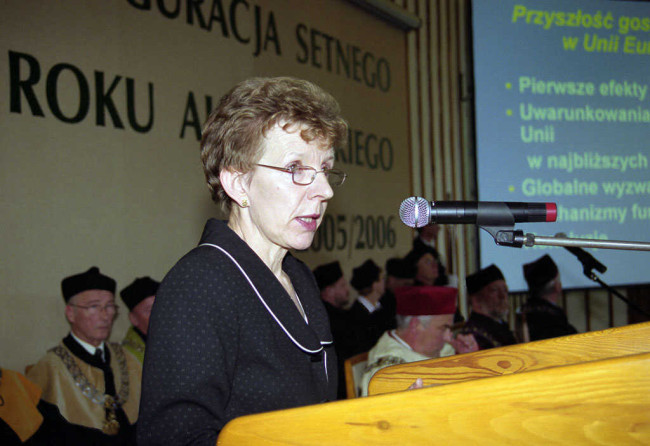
{"x":305,"y":175}
{"x":94,"y":310}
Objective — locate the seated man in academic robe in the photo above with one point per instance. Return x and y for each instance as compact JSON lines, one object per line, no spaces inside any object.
{"x":335,"y":294}
{"x":488,"y":298}
{"x":544,"y":317}
{"x":399,"y":273}
{"x":425,"y":315}
{"x":92,"y":381}
{"x":374,"y":309}
{"x":139,"y":297}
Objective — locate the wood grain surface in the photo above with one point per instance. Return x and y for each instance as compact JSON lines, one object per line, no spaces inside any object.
{"x":566,"y":350}
{"x":603,"y":402}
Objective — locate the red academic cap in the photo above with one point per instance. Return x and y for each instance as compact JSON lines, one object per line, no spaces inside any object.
{"x":425,"y":300}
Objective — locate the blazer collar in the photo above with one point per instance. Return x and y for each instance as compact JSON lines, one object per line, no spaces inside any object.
{"x":308,"y":337}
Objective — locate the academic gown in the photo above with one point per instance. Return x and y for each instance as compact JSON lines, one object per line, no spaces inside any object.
{"x":488,"y":332}
{"x":372,"y":325}
{"x":392,"y":350}
{"x":226,"y":340}
{"x":134,"y":343}
{"x":73,"y":380}
{"x":27,"y":420}
{"x":546,"y":320}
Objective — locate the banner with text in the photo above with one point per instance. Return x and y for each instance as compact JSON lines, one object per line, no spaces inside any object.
{"x":103,"y":104}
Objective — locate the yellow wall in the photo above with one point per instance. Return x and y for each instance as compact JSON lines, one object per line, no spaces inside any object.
{"x":132,"y":200}
{"x":84,"y":183}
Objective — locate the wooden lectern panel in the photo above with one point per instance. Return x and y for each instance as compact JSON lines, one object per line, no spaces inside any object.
{"x":354,"y":368}
{"x":604,"y":402}
{"x":566,"y":350}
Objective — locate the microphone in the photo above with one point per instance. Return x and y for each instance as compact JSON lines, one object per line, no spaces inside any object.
{"x":588,"y":261}
{"x":417,"y":212}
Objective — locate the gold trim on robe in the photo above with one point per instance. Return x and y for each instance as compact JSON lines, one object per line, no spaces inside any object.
{"x":77,"y":388}
{"x":134,"y":344}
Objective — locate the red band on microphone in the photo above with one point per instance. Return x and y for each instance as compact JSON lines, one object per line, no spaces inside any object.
{"x":551,"y":212}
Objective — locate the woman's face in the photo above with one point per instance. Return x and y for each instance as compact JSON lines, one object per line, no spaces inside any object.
{"x":286,"y":214}
{"x":427,"y":269}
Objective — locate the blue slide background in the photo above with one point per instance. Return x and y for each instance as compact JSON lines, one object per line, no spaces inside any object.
{"x":505,"y":51}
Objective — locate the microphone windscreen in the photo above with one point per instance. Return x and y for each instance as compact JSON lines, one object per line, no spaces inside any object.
{"x":414,"y":212}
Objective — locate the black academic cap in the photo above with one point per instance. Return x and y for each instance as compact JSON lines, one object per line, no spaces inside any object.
{"x":328,"y":274}
{"x":365,"y":275}
{"x":482,"y":278}
{"x":139,"y":290}
{"x":90,"y":280}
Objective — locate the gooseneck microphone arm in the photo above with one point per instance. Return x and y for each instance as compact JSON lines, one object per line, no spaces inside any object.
{"x":517,"y":239}
{"x":560,"y":240}
{"x":508,"y":236}
{"x":589,"y":263}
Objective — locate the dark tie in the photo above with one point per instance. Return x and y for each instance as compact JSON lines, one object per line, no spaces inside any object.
{"x":99,"y":356}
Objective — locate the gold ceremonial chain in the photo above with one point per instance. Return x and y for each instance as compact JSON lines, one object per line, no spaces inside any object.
{"x":485,"y":334}
{"x":111,"y":425}
{"x":110,"y":403}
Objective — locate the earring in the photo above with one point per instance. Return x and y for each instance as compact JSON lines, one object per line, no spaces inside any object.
{"x":244,"y":203}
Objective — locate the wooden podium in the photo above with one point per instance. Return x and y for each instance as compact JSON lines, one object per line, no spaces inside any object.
{"x":574,"y":390}
{"x":566,"y":350}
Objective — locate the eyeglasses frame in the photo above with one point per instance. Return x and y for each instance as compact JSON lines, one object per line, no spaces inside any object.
{"x":313,"y":178}
{"x":101,"y":307}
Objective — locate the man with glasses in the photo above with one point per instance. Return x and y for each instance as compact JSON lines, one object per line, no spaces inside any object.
{"x":92,"y":381}
{"x":425,"y":315}
{"x":487,"y":292}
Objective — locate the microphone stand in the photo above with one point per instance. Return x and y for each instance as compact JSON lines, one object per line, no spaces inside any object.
{"x":508,"y":236}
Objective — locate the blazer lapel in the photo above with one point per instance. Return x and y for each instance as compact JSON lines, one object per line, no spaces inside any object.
{"x":309,"y":294}
{"x":267,"y":288}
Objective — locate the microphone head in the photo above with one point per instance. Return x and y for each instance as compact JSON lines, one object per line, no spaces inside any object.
{"x":414,"y":212}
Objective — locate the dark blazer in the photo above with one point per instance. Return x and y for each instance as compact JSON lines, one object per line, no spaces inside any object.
{"x":217,"y":350}
{"x":546,"y":320}
{"x":373,"y":325}
{"x":488,"y":332}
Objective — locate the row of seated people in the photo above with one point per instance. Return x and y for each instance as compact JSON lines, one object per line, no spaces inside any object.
{"x":408,"y":315}
{"x":85,"y":390}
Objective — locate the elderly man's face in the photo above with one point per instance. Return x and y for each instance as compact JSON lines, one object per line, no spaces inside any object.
{"x":140,"y":314}
{"x":91,"y":314}
{"x":433,"y":334}
{"x":495,"y":299}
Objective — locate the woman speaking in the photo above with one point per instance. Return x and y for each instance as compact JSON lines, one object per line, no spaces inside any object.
{"x":238,"y":326}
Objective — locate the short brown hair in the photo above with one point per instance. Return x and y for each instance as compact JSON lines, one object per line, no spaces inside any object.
{"x":234,"y":130}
